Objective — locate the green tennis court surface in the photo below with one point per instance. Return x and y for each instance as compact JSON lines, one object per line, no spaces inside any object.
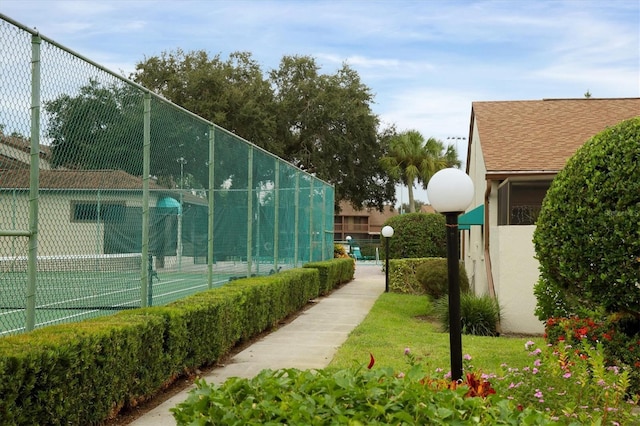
{"x":75,"y":295}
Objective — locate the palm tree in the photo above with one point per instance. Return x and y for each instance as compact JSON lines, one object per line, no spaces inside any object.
{"x":411,"y":159}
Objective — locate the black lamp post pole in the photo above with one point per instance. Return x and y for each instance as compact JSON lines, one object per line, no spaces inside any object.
{"x":386,"y":268}
{"x":455,"y":323}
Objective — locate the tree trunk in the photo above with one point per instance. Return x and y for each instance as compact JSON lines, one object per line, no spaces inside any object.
{"x":412,"y":204}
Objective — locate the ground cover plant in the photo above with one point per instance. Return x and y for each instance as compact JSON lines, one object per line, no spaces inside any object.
{"x":394,"y":369}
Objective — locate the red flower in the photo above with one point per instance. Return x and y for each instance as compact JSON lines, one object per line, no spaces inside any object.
{"x":478,"y":387}
{"x":371,"y":361}
{"x":581,"y":332}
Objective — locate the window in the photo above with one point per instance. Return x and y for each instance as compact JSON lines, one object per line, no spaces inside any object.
{"x":82,"y":211}
{"x":519,"y":202}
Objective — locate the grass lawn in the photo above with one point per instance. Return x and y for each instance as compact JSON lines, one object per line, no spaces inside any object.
{"x":399,"y":321}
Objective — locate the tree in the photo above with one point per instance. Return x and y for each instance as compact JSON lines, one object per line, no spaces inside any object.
{"x":100,"y":128}
{"x":411,"y":159}
{"x":232,"y":93}
{"x":328,"y":129}
{"x":321,"y":123}
{"x":103,"y":128}
{"x":418,"y":205}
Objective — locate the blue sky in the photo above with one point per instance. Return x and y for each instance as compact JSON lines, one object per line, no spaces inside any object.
{"x":425,"y":61}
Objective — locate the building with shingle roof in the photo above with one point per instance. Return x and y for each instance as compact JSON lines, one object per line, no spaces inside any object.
{"x":84,"y":210}
{"x":515,"y":149}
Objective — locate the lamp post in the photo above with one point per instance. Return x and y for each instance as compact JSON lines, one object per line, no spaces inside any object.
{"x":450,"y":191}
{"x":387,"y":233}
{"x":348,"y":238}
{"x":182,"y":162}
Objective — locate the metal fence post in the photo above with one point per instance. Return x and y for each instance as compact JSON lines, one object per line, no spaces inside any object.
{"x":249,"y":211}
{"x":310,"y":207}
{"x":296,"y":197}
{"x":34,"y":176}
{"x":211,"y":204}
{"x":276,"y":217}
{"x":146,"y":176}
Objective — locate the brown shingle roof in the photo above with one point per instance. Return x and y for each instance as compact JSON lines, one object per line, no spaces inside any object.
{"x":537,"y":136}
{"x":74,"y":179}
{"x":23,"y":144}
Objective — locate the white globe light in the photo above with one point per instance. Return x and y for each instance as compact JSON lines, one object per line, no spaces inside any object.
{"x":450,"y":190}
{"x":387,"y":231}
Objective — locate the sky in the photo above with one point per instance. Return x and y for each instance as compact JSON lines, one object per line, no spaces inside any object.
{"x":424,"y":61}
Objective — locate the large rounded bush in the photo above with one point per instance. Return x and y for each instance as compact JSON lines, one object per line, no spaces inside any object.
{"x":417,"y":235}
{"x":587,"y":238}
{"x":433,"y":276}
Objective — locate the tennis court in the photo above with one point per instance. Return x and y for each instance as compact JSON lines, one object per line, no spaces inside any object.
{"x":98,"y":173}
{"x":72,"y":288}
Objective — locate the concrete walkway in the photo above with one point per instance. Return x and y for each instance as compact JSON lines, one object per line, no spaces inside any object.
{"x":308,"y":342}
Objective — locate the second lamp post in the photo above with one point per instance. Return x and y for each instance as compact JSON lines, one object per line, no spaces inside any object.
{"x":450,"y":191}
{"x":387,"y":233}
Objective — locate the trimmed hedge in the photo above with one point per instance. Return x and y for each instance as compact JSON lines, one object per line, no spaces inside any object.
{"x":80,"y":373}
{"x":333,"y":272}
{"x":403,"y":276}
{"x":87,"y":372}
{"x":417,"y":235}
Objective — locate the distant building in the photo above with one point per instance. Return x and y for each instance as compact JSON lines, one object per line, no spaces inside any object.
{"x":361,"y":225}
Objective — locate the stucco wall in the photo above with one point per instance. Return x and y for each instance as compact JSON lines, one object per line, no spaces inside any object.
{"x":515,"y":270}
{"x":57,"y":235}
{"x":515,"y":277}
{"x":473,"y":239}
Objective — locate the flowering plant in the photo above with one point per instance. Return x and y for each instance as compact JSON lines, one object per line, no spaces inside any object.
{"x":474,"y":383}
{"x":567,"y":383}
{"x":575,"y":329}
{"x":571,"y":382}
{"x":621,"y":347}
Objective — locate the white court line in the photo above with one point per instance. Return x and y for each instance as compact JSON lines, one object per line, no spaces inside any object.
{"x":83,"y":313}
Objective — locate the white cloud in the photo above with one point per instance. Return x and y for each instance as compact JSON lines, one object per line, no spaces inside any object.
{"x":425,"y":61}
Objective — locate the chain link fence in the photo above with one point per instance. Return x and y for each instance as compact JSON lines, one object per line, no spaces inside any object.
{"x":114,"y":198}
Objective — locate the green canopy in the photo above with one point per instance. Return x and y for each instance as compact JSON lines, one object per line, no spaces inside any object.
{"x":472,"y":217}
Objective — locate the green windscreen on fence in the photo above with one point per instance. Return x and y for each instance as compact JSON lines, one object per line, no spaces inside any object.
{"x":113,"y":198}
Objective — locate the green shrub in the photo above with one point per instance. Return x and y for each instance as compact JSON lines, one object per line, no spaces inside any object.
{"x":402,"y":276}
{"x":618,"y":335}
{"x":333,"y":272}
{"x":86,"y":372}
{"x":587,"y":237}
{"x":81,"y":373}
{"x":345,"y":397}
{"x":479,"y":315}
{"x":433,"y":276}
{"x":417,"y":235}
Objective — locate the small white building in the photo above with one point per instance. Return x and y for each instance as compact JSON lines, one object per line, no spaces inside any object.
{"x":515,"y":150}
